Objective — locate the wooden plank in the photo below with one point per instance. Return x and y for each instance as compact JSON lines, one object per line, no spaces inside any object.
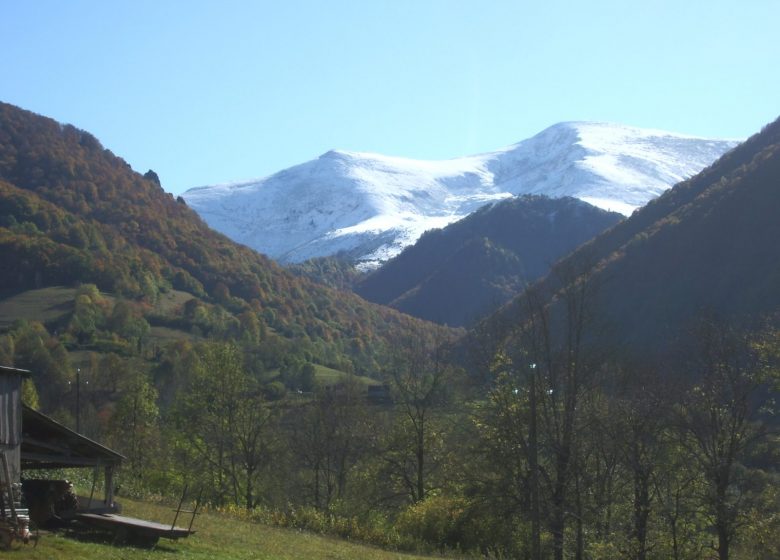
{"x":141,"y":526}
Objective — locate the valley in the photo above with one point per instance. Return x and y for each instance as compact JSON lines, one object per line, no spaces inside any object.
{"x":575,"y":383}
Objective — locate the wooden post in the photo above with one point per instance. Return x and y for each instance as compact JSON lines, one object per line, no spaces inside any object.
{"x":178,"y":510}
{"x":8,"y":486}
{"x":109,"y":485}
{"x":94,"y":483}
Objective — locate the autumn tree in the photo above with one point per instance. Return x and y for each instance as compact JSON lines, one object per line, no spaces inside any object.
{"x":637,"y":422}
{"x":134,"y":426}
{"x":548,"y":365}
{"x":418,"y":379}
{"x":34,"y":349}
{"x":329,"y":437}
{"x":226,"y":425}
{"x":718,"y":420}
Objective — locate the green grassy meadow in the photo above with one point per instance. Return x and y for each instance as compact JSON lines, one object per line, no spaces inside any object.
{"x":218,"y":537}
{"x":326,"y":376}
{"x":44,"y":305}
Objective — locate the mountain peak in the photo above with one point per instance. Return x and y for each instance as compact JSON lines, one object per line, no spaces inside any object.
{"x":585,"y":127}
{"x":335,"y":154}
{"x":372,"y":206}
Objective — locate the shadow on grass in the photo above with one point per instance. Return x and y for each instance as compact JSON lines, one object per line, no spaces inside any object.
{"x":85,"y":534}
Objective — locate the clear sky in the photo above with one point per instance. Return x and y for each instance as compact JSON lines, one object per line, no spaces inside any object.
{"x":208,"y":92}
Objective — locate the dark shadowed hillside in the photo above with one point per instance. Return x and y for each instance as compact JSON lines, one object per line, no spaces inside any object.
{"x":459,"y":273}
{"x":708,"y":246}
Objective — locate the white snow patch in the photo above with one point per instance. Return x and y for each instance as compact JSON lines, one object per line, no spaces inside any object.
{"x":610,"y":205}
{"x":372,"y":205}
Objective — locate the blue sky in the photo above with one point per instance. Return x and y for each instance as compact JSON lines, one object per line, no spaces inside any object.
{"x":207,"y":92}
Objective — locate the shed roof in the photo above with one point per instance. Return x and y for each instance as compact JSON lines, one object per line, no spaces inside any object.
{"x":14,"y":371}
{"x":47,"y":444}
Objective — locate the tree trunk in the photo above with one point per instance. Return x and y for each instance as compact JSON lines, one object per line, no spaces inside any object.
{"x":317,"y":485}
{"x":558,"y":523}
{"x":723,"y":544}
{"x":536,"y":550}
{"x":641,"y":512}
{"x":557,"y":527}
{"x":722,"y":528}
{"x":722,"y":519}
{"x":250,"y":500}
{"x":421,"y":462}
{"x":580,"y":552}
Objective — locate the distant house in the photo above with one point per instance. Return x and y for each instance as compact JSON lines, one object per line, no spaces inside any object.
{"x":379,"y":394}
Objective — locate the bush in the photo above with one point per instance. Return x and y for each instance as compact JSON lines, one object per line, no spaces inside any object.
{"x":436,"y":521}
{"x":275,"y":391}
{"x":375,"y":531}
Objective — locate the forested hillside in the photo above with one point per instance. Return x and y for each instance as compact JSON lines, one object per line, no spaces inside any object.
{"x":460,"y":273}
{"x":72,"y":212}
{"x":647,"y":358}
{"x":111,"y":284}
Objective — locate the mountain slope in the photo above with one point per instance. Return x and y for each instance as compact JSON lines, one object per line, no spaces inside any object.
{"x":458,"y":273}
{"x":709,"y":245}
{"x":372,"y":206}
{"x":71,"y":212}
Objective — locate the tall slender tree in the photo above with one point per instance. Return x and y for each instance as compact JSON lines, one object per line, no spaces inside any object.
{"x":718,"y":420}
{"x":418,"y":380}
{"x":226,"y":424}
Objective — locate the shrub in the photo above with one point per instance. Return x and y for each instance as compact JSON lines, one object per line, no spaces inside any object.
{"x":437,"y":521}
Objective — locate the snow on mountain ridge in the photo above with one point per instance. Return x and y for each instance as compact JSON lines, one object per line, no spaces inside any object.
{"x":372,"y":205}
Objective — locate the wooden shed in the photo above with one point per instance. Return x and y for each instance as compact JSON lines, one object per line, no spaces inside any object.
{"x":11,"y":419}
{"x":31,"y":440}
{"x":47,"y":444}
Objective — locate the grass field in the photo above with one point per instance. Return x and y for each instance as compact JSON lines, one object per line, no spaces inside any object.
{"x":171,"y":300}
{"x":218,"y":537}
{"x":164,"y":335}
{"x":327,"y":376}
{"x":51,"y":304}
{"x":48,"y":304}
{"x":44,"y":305}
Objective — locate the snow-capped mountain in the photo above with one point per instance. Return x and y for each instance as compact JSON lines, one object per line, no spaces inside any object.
{"x":372,"y":206}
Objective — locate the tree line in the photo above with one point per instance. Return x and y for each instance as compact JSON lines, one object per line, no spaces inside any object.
{"x":550,"y":445}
